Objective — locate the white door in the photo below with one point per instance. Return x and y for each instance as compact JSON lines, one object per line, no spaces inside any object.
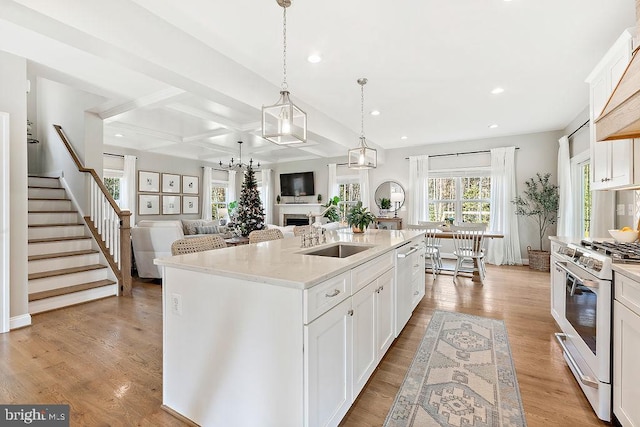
{"x":328,"y":366}
{"x":384,"y":313}
{"x":4,"y":222}
{"x":364,"y":336}
{"x":626,"y":374}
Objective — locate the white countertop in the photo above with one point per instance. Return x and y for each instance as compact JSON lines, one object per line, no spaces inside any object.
{"x":282,"y":262}
{"x":630,"y":270}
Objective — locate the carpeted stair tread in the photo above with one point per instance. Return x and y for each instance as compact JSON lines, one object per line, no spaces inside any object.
{"x":63,"y":271}
{"x":56,"y":225}
{"x":58,"y":239}
{"x":61,"y":254}
{"x":69,"y":289}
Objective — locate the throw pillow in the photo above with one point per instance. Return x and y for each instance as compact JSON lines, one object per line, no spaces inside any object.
{"x":207,"y":229}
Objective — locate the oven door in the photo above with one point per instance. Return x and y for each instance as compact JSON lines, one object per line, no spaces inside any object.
{"x":587,"y":322}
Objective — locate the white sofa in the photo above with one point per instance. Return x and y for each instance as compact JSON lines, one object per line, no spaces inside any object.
{"x":153,"y":239}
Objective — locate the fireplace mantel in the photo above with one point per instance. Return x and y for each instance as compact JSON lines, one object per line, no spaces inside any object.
{"x":297,"y":209}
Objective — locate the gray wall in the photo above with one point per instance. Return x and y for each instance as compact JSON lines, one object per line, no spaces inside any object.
{"x":13,"y":100}
{"x":165,"y":164}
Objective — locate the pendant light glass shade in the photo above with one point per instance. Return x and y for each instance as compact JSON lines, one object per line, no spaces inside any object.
{"x":284,"y":123}
{"x":362,"y":157}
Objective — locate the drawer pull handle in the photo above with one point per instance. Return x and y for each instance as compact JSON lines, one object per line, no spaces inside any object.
{"x":416,"y":292}
{"x":350,"y":312}
{"x":332,"y":294}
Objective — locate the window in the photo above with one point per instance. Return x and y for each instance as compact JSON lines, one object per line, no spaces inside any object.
{"x":581,"y":189}
{"x":113,"y":181}
{"x":349,"y":192}
{"x":464,"y":198}
{"x":218,"y":197}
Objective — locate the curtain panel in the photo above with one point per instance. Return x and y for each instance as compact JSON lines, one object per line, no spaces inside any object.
{"x":566,"y":218}
{"x":363,"y":179}
{"x":418,"y":181}
{"x":333,"y":189}
{"x":503,"y":216}
{"x":207,"y":212}
{"x":128,"y":197}
{"x":267,"y":195}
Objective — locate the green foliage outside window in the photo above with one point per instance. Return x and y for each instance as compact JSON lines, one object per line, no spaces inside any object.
{"x":113,"y":187}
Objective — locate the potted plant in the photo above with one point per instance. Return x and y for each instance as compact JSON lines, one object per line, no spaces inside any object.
{"x":332,"y":214}
{"x":540,"y":202}
{"x":319,"y":198}
{"x":359,"y":218}
{"x":385,"y":205}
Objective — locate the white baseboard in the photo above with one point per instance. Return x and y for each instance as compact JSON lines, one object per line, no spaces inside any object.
{"x":20,"y":321}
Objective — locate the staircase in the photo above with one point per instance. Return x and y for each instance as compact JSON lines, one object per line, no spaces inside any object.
{"x":64,"y":269}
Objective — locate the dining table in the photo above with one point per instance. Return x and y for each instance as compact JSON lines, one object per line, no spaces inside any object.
{"x":476,"y":277}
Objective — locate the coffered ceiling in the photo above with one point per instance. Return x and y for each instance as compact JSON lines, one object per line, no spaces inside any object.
{"x":188,"y":78}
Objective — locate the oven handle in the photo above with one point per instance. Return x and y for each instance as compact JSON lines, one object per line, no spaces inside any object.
{"x":575,"y":280}
{"x":585,"y":379}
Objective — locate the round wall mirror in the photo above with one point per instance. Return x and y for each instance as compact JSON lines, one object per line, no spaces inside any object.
{"x":391,"y":191}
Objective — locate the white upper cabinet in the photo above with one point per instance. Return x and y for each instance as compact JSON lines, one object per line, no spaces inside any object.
{"x":612,"y":161}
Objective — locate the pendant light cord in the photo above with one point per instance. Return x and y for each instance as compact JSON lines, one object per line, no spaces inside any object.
{"x":284,"y":52}
{"x":361,"y":111}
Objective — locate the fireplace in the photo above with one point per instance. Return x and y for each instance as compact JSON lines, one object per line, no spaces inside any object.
{"x":296,"y":219}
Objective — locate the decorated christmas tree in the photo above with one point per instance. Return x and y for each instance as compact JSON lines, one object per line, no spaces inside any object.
{"x":249,"y":213}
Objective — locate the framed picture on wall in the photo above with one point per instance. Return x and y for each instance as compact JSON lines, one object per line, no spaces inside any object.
{"x":170,"y":183}
{"x":148,"y":204}
{"x":190,"y":204}
{"x":170,"y":205}
{"x":148,"y":182}
{"x":190,"y":184}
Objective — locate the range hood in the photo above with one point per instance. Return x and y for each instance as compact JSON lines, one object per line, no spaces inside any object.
{"x":620,"y":118}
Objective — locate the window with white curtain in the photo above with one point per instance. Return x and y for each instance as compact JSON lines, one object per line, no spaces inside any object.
{"x":461,"y":195}
{"x":581,"y":176}
{"x":349,"y":192}
{"x":113,"y":180}
{"x":218,"y":197}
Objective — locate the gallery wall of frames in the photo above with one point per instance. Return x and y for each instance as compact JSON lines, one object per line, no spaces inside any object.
{"x":167,"y":193}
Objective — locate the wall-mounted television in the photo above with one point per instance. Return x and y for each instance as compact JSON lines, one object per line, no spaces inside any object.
{"x":297,"y":184}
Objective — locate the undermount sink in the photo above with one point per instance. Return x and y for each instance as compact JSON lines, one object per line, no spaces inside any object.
{"x":341,"y":250}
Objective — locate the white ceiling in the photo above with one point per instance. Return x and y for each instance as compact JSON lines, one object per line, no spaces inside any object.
{"x":188,"y":78}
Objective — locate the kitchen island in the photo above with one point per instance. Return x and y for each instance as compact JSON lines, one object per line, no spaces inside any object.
{"x":271,"y":335}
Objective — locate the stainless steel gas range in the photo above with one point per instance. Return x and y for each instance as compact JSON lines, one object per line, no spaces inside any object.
{"x":581,"y":305}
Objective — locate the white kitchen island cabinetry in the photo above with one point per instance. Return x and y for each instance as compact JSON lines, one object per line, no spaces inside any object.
{"x":626,"y":347}
{"x":612,"y":161}
{"x":265,"y":334}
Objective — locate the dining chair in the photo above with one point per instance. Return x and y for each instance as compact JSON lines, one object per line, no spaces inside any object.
{"x":468,"y":243}
{"x":197,"y":244}
{"x":257,"y":236}
{"x":432,"y":246}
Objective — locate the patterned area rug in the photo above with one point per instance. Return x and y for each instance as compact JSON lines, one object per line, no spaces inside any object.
{"x":462,"y":375}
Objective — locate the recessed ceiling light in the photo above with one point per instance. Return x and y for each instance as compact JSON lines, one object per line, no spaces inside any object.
{"x":497,"y":90}
{"x":403,"y":137}
{"x":118,"y":135}
{"x":314,"y":58}
{"x":375,"y":113}
{"x":493,"y":126}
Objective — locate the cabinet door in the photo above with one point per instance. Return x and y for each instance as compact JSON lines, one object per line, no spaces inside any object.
{"x":626,"y":374}
{"x":328,"y":366}
{"x":599,"y":151}
{"x":418,"y":279}
{"x":364,"y":335}
{"x":384,"y":313}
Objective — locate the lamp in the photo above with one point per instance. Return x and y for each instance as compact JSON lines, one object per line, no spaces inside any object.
{"x":396,"y":199}
{"x":239,"y":165}
{"x":362,"y":157}
{"x":284,"y":123}
{"x":222,"y":215}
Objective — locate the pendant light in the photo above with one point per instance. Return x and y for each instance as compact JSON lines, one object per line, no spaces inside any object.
{"x":284,"y":123}
{"x":362,"y":157}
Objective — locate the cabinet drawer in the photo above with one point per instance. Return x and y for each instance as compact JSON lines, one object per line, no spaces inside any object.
{"x":628,"y":292}
{"x":364,"y":274}
{"x":328,"y":294}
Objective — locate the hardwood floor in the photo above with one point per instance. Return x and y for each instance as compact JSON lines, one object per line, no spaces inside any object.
{"x":105,"y":358}
{"x":520,"y":297}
